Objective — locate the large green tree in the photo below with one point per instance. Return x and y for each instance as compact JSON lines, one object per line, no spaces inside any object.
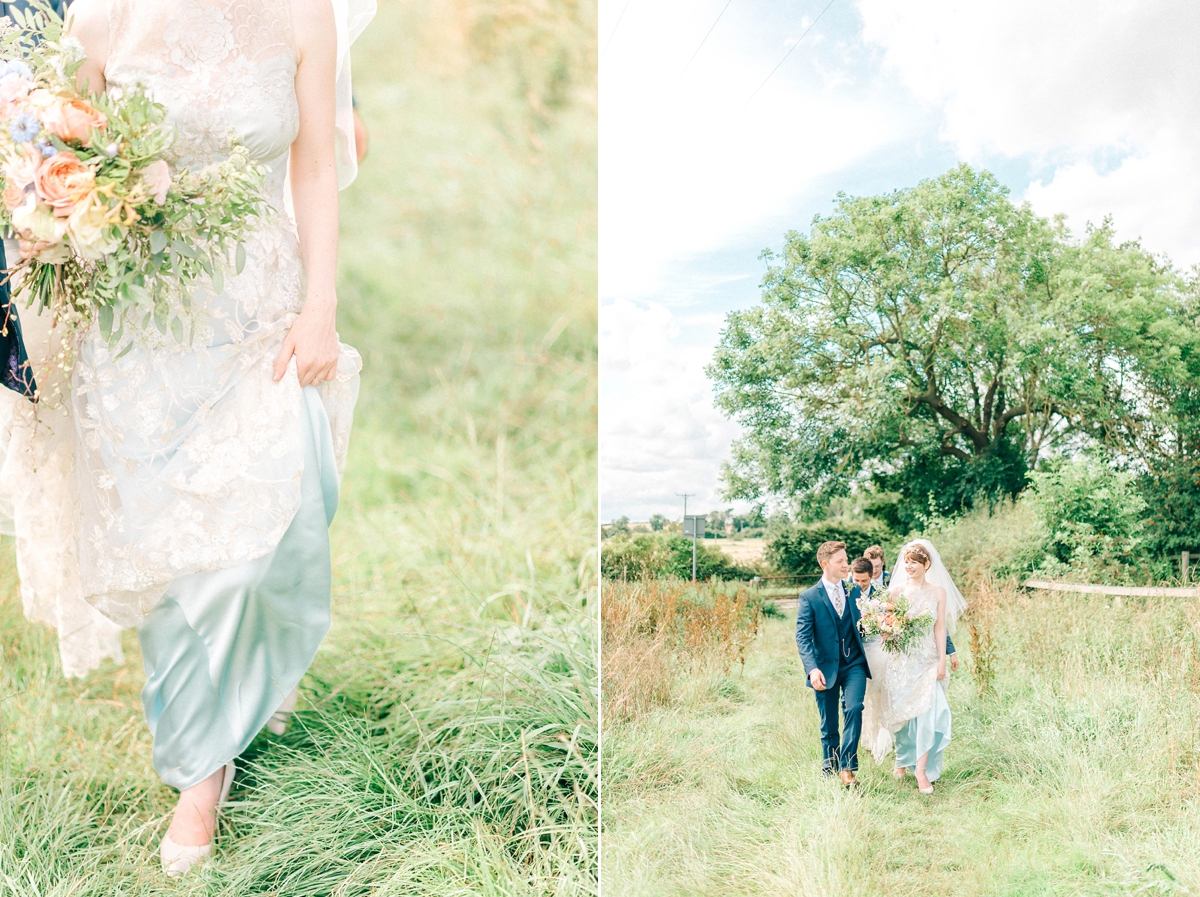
{"x":940,"y":340}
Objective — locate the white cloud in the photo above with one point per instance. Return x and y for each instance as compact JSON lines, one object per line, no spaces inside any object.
{"x":659,"y":432}
{"x":1064,"y":84}
{"x":684,"y":169}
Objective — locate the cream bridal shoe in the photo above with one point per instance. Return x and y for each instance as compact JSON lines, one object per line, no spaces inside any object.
{"x":179,"y":858}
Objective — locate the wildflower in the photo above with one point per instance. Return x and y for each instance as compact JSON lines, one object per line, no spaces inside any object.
{"x":18,"y":68}
{"x":24,"y":128}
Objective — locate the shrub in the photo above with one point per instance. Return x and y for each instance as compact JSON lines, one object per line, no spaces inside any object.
{"x":663,"y":555}
{"x":1090,"y":516}
{"x":1172,"y":496}
{"x":794,"y":549}
{"x":1001,"y":541}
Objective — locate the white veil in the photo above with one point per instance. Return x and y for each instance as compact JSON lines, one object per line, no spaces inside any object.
{"x":352,"y":17}
{"x":939,"y":576}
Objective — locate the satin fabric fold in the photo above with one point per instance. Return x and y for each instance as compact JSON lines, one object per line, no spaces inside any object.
{"x":224,"y":647}
{"x":927,"y":733}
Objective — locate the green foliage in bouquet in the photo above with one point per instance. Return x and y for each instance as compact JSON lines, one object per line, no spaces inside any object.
{"x":110,"y":232}
{"x":886,"y":615}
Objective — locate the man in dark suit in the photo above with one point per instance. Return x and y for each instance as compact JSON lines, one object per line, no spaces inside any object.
{"x":832,"y":652}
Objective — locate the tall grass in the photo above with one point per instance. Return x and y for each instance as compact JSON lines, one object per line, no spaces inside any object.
{"x":446,"y":741}
{"x":664,"y":635}
{"x":1078,"y":773}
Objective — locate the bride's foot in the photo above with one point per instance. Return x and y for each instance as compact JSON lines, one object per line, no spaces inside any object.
{"x":188,"y":841}
{"x":278,"y":722}
{"x":923,"y":784}
{"x":899,"y":773}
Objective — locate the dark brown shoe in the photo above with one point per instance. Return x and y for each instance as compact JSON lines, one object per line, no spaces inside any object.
{"x":847,"y":778}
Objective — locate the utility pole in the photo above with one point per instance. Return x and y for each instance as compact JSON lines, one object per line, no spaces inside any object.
{"x":686,"y":496}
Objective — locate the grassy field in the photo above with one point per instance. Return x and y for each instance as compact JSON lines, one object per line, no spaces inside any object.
{"x":447,"y":738}
{"x":1078,"y":773}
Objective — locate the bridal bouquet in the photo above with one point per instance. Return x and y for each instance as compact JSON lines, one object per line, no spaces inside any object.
{"x":107,"y":230}
{"x":887,"y":616}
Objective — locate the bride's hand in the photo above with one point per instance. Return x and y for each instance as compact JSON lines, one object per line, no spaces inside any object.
{"x":941,"y":672}
{"x":313,"y":340}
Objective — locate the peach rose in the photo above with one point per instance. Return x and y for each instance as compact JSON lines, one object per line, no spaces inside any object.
{"x":62,"y":181}
{"x":72,"y":119}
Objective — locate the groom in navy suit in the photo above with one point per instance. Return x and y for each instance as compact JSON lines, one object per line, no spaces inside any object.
{"x":834,"y":660}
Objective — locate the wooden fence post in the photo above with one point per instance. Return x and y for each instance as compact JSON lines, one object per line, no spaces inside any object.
{"x":1184,"y":565}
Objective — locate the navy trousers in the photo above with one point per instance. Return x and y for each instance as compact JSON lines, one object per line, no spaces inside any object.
{"x":845,"y":696}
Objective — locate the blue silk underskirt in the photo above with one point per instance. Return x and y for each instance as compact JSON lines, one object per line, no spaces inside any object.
{"x":224,"y":648}
{"x":928,"y":733}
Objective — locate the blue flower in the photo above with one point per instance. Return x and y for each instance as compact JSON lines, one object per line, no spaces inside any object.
{"x":48,"y":149}
{"x":17,"y":67}
{"x":24,"y":128}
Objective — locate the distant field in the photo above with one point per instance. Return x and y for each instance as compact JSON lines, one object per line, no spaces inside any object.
{"x":742,"y":551}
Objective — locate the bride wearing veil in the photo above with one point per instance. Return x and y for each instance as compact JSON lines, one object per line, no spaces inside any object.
{"x":905,"y":706}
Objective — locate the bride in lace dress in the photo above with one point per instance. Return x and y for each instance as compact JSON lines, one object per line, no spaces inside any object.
{"x":905,"y":707}
{"x":187,"y":489}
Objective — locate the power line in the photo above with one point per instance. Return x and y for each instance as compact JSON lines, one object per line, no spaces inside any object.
{"x":703,"y":39}
{"x":786,"y":55}
{"x":675,"y":81}
{"x":612,"y":33}
{"x":621,"y":164}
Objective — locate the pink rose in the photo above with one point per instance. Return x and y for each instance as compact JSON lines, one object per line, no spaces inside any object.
{"x":157,"y":178}
{"x":19,"y":173}
{"x":13,"y":89}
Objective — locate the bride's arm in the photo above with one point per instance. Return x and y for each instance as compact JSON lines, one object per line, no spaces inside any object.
{"x":313,"y":338}
{"x":87,"y":21}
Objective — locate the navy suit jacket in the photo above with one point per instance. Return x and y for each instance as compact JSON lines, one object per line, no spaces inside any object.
{"x":817,"y":632}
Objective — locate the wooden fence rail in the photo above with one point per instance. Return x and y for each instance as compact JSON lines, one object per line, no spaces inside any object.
{"x":1139,"y":591}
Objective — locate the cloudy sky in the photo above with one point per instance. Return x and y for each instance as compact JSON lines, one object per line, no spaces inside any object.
{"x":706,"y":158}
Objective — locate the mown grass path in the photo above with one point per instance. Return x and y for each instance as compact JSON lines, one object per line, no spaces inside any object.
{"x":447,"y":733}
{"x":1080,"y":776}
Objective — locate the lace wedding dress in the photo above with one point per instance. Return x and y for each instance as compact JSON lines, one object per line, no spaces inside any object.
{"x":176,"y":487}
{"x":905,"y":707}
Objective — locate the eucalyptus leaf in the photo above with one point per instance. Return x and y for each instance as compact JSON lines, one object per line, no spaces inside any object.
{"x":105,"y":316}
{"x":241,"y":257}
{"x":184,"y":249}
{"x":158,"y":241}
